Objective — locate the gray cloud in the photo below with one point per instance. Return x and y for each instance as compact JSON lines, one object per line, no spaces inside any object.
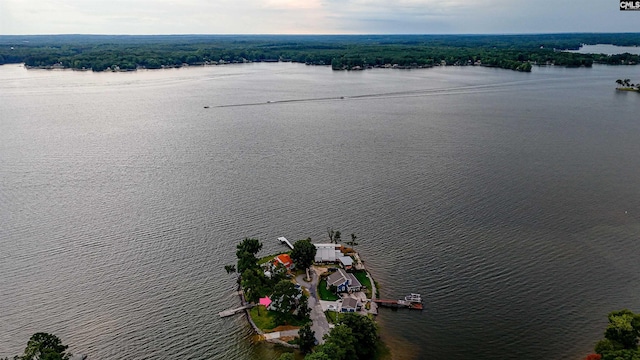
{"x":312,"y":16}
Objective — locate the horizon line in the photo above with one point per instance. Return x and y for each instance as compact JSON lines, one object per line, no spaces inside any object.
{"x":331,"y":34}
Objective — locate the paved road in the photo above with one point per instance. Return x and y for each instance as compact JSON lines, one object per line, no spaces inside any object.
{"x":320,"y":324}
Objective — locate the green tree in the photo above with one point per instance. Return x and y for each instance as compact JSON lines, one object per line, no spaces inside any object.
{"x":342,"y":342}
{"x":230,"y":269}
{"x":337,"y":237}
{"x":319,"y":355}
{"x":331,"y":233}
{"x":253,"y":284}
{"x":303,"y":309}
{"x":278,"y":273}
{"x":287,"y":356}
{"x":365,"y":332}
{"x":303,"y":254}
{"x":353,"y":240}
{"x":307,"y":339}
{"x":252,"y":246}
{"x":44,"y":346}
{"x":623,"y":329}
{"x":246,"y":254}
{"x":283,"y":300}
{"x":621,"y":337}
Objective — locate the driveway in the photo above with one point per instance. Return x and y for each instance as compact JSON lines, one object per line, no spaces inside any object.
{"x":320,"y":324}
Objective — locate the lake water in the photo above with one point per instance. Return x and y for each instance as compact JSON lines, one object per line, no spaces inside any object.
{"x":606,"y":49}
{"x":510,"y":201}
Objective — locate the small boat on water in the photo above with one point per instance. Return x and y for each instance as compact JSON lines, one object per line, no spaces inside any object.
{"x":413,"y":298}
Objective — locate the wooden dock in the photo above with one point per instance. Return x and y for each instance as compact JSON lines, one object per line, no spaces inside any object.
{"x":398,"y":304}
{"x":235,"y":311}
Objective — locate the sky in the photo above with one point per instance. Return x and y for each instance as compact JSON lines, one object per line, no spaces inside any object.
{"x":25,"y":17}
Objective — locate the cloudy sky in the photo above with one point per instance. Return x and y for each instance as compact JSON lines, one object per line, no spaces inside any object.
{"x":313,"y":16}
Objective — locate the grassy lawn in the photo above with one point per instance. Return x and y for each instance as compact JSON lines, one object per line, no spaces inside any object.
{"x":268,"y":258}
{"x":332,"y":316}
{"x":265,"y":320}
{"x":361,"y":275}
{"x":324,"y":293}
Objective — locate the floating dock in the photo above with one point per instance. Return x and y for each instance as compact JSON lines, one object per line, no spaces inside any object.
{"x":235,"y":311}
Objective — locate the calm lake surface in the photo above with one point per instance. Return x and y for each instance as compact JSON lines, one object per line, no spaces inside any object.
{"x":510,"y":201}
{"x":606,"y":49}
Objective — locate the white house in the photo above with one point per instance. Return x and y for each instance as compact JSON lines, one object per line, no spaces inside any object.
{"x":327,"y":253}
{"x":346,"y":262}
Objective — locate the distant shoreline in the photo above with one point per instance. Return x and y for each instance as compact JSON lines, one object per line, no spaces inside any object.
{"x":346,"y":52}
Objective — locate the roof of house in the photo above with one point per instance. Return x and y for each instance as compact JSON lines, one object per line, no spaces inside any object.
{"x":327,"y":252}
{"x":337,"y":278}
{"x":340,"y":277}
{"x":353,"y":281}
{"x":284,"y":259}
{"x":346,"y":260}
{"x":330,"y":245}
{"x":349,"y":303}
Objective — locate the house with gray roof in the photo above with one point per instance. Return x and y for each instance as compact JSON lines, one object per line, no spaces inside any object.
{"x":346,"y":262}
{"x":350,"y":305}
{"x":343,"y":281}
{"x":327,"y":253}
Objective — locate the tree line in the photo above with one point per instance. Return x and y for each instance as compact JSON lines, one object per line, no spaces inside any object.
{"x":43,"y":346}
{"x":122,"y":53}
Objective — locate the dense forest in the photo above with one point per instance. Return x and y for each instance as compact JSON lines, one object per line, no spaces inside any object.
{"x":342,"y":52}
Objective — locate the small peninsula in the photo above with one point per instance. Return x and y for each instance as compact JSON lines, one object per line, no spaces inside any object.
{"x":318,"y":298}
{"x":627,"y":85}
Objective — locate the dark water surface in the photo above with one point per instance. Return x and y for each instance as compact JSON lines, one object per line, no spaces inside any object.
{"x":511,"y":201}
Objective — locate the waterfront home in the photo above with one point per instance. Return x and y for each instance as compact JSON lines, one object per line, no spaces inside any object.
{"x":343,"y":281}
{"x":346,"y":262}
{"x":285,"y":260}
{"x":350,"y":305}
{"x":327,"y":253}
